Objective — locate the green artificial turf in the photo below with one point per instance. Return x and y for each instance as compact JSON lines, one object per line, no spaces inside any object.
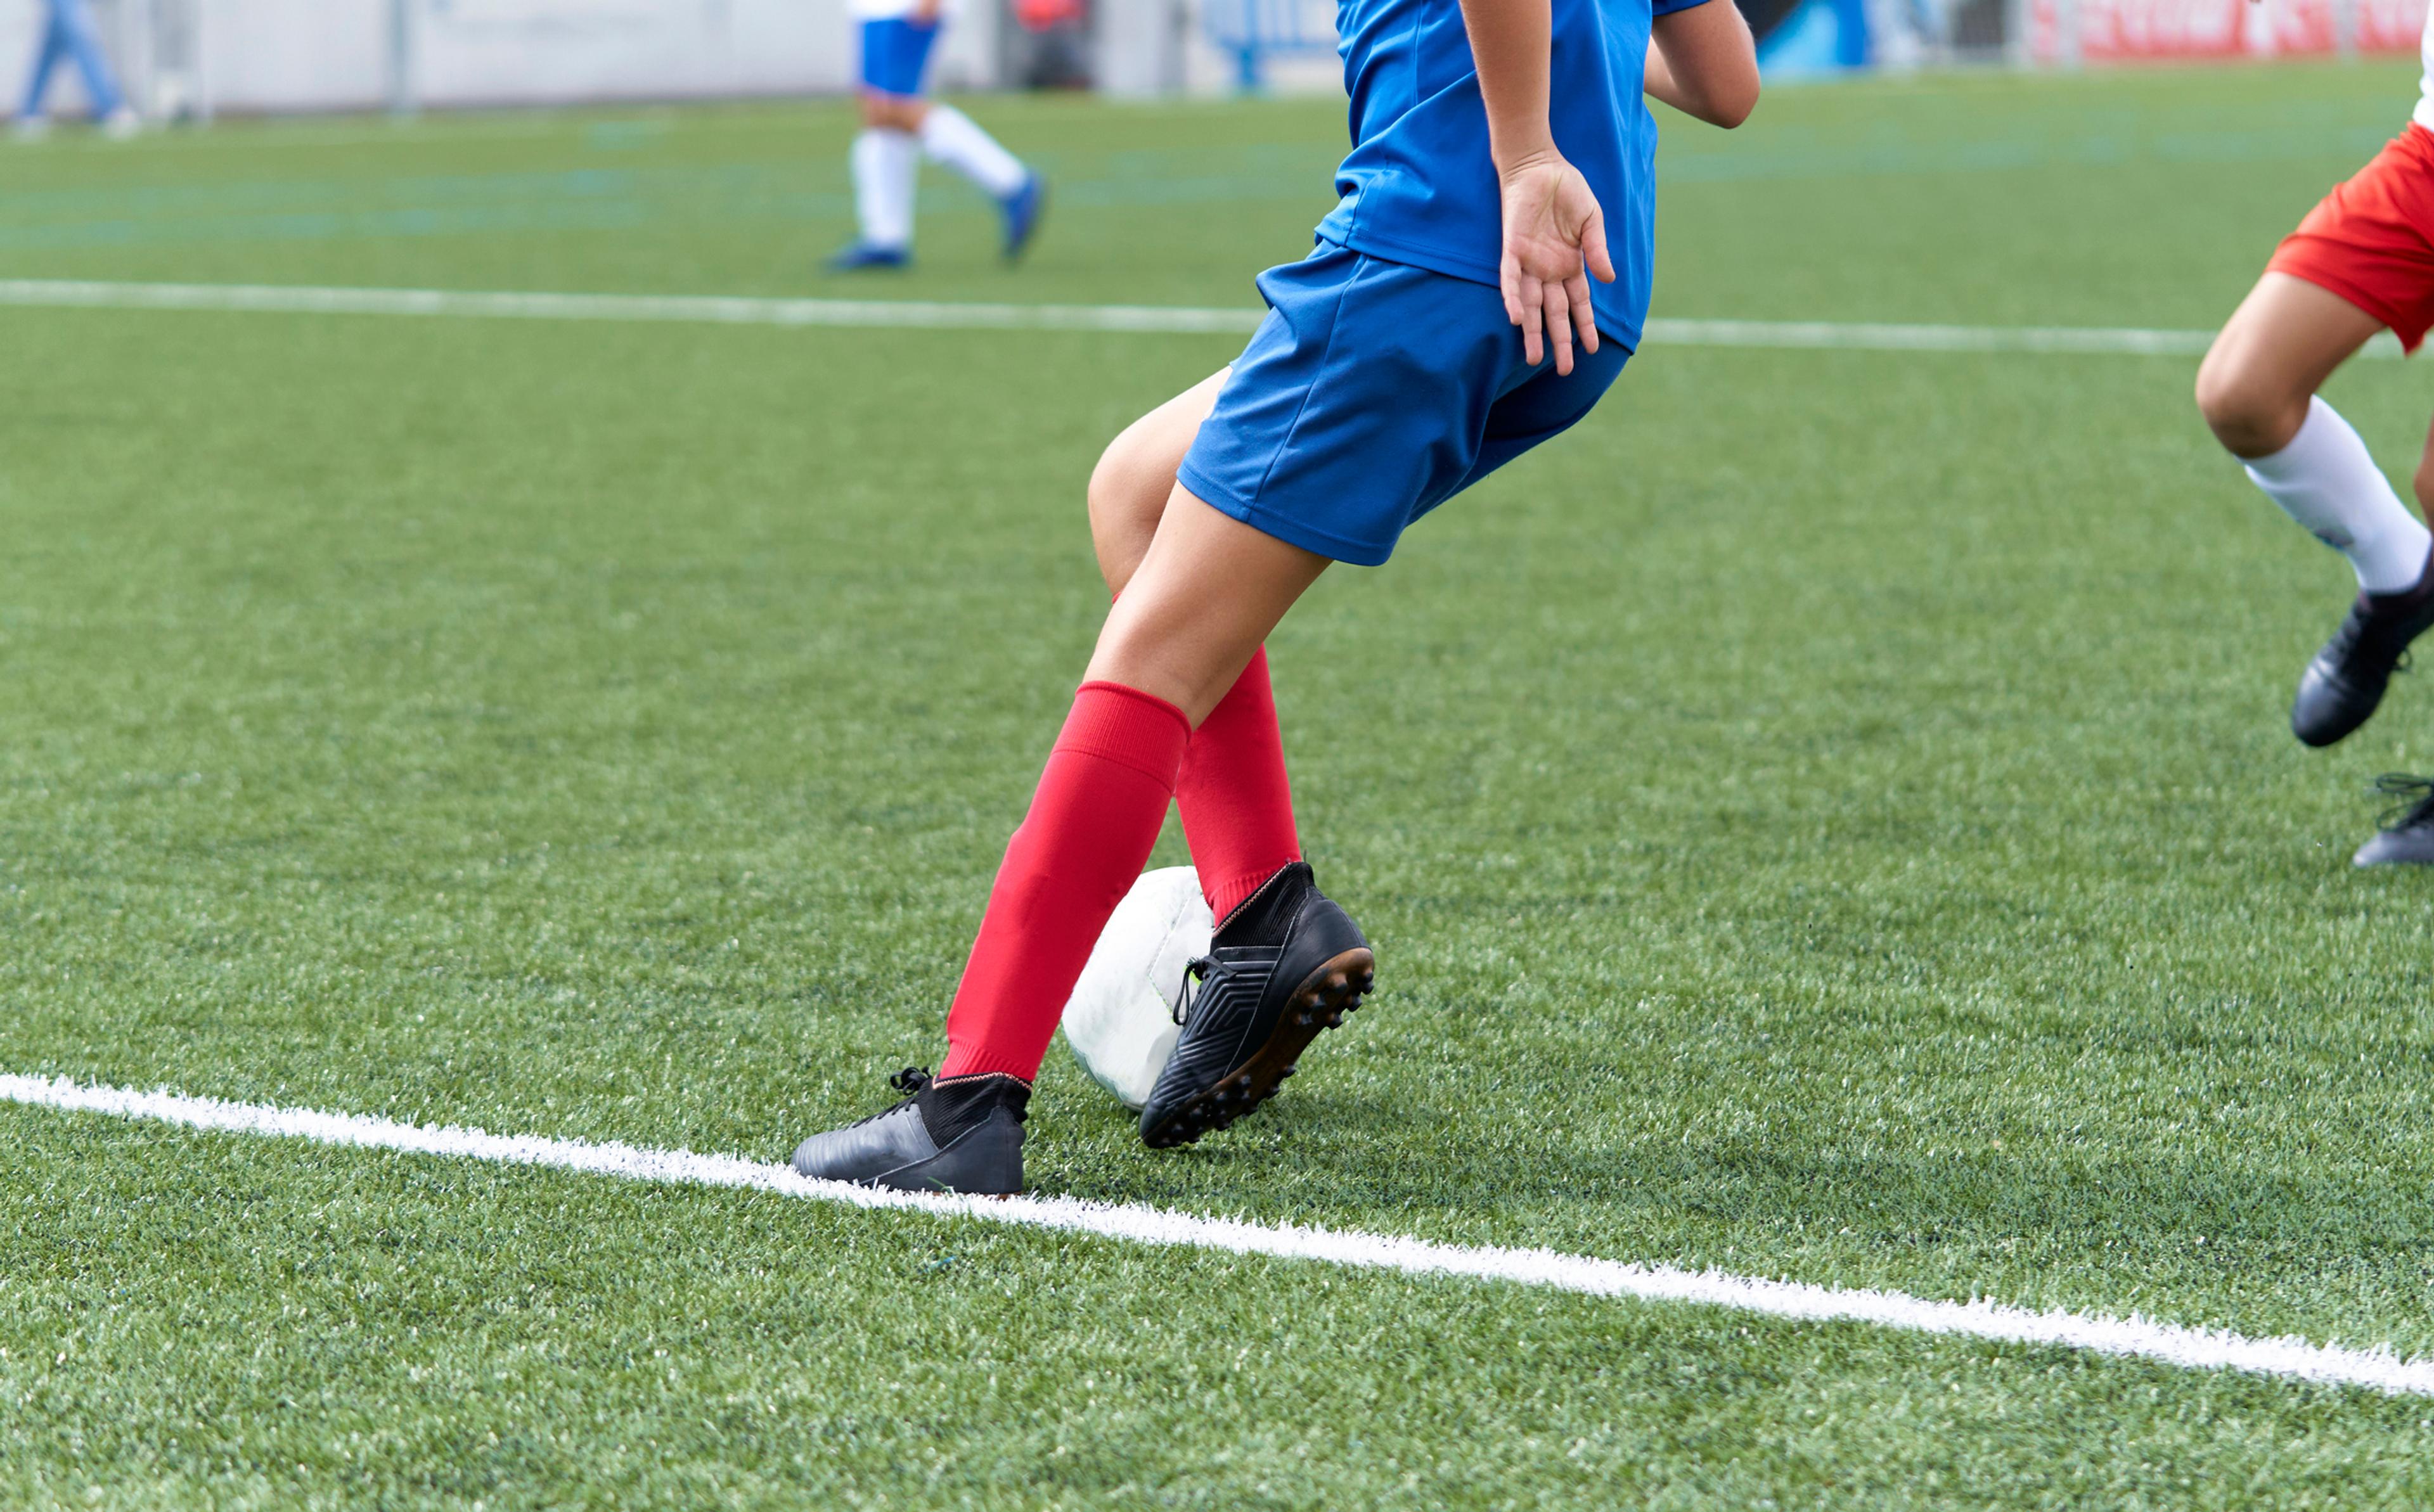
{"x":1829,"y":817}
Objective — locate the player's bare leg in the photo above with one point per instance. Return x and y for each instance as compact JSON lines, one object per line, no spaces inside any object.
{"x":892,"y":111}
{"x":1136,"y":477}
{"x":1234,"y":791}
{"x":2258,"y":391}
{"x":1238,"y":1044}
{"x":2265,"y":366}
{"x":1207,"y":593}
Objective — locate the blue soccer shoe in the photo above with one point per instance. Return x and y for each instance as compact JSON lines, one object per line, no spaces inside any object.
{"x":1023,"y":209}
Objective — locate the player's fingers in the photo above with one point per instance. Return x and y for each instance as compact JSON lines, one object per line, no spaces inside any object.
{"x":1509,"y":277}
{"x":1559,"y":325}
{"x":1533,"y":315}
{"x":1576,"y":289}
{"x":1593,"y":247}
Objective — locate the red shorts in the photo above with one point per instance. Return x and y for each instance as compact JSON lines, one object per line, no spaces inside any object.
{"x":2372,"y":239}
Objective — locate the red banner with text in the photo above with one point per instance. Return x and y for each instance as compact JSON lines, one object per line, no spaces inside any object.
{"x":2136,"y":30}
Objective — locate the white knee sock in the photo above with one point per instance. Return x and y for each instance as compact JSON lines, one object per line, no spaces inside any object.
{"x":951,"y":136}
{"x":886,"y":171}
{"x":2325,"y":481}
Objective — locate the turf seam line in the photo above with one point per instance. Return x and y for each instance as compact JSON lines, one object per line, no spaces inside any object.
{"x":680,"y":309}
{"x":2378,"y":1368}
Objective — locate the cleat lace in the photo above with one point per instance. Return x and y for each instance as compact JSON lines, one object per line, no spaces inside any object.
{"x":2343,"y":648}
{"x":2361,"y":641}
{"x":1211,"y":975}
{"x":1196,"y":974}
{"x":1213,"y":971}
{"x":2364,"y":633}
{"x":2413,"y":801}
{"x":912,"y":1082}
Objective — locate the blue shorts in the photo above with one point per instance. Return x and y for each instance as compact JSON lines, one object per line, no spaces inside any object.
{"x":896,"y":54}
{"x":1372,"y":393}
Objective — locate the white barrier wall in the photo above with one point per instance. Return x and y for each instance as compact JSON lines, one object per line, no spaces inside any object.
{"x":351,"y":55}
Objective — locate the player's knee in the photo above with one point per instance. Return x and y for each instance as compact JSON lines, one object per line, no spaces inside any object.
{"x":1128,"y":492}
{"x":2249,"y":413}
{"x":1148,"y":652}
{"x":888,"y":112}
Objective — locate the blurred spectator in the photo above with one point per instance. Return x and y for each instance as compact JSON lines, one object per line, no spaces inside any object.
{"x":68,"y":34}
{"x":1056,"y":54}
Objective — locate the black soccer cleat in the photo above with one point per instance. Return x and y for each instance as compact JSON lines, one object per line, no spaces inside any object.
{"x":1284,"y":966}
{"x":963,"y":1135}
{"x":2341,"y":688}
{"x":2406,"y":835}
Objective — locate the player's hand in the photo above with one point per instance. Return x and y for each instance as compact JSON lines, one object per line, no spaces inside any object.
{"x":926,"y":13}
{"x":1554,"y":238}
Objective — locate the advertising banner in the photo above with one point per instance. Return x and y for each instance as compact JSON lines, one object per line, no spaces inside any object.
{"x":2102,"y":31}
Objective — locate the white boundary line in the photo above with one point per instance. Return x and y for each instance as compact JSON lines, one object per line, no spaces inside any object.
{"x":683,"y":309}
{"x":2138,"y":1338}
{"x":1132,"y":318}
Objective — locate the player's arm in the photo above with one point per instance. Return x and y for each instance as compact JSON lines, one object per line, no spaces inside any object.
{"x":1553,"y":229}
{"x":1703,"y":62}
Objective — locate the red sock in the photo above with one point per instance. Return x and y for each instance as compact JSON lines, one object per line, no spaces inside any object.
{"x":1236,"y":804}
{"x":1092,"y":823}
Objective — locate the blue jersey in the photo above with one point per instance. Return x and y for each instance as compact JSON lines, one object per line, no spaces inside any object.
{"x":1419,"y":186}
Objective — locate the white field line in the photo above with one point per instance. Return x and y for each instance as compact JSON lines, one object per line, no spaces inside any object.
{"x":2190,"y":1348}
{"x":1134,"y":318}
{"x":683,"y":309}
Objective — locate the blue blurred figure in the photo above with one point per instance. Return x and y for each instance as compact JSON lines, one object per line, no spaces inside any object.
{"x":68,"y":35}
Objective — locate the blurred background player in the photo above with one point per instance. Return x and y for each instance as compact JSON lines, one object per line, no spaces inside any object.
{"x":2363,"y":260}
{"x":68,"y":36}
{"x":899,"y":126}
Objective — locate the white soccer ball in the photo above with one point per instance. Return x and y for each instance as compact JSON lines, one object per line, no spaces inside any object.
{"x":1120,"y":1021}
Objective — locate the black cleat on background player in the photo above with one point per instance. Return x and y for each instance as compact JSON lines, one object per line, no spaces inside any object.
{"x":1283,"y":967}
{"x":2341,"y":688}
{"x":2406,"y":835}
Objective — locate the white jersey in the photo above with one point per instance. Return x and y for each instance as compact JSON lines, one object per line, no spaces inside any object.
{"x":2425,"y":115}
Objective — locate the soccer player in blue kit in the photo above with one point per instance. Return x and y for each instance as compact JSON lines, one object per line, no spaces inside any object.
{"x":900,"y":125}
{"x":1445,"y":324}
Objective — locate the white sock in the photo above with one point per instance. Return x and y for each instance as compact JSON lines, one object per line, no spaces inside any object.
{"x":951,"y":136}
{"x":2325,"y":480}
{"x":886,"y":172}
